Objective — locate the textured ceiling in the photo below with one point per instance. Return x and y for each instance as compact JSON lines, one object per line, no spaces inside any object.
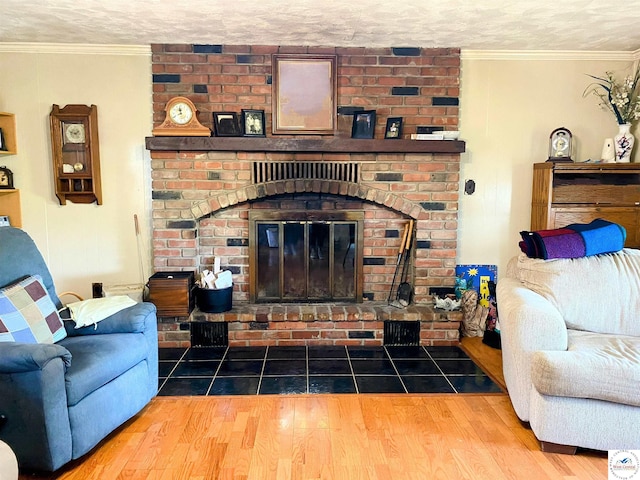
{"x":600,"y":25}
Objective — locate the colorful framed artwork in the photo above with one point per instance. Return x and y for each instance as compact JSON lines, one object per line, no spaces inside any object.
{"x":476,"y":277}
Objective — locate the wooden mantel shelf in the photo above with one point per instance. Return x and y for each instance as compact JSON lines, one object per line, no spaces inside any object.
{"x":329,"y":145}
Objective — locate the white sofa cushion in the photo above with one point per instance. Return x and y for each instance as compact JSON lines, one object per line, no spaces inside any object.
{"x":8,"y":463}
{"x":602,"y":367}
{"x":596,"y":294}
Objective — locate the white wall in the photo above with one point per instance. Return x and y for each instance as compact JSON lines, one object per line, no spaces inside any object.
{"x":510,"y":103}
{"x":83,"y":243}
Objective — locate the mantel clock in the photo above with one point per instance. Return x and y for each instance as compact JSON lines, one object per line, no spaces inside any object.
{"x":181,"y":120}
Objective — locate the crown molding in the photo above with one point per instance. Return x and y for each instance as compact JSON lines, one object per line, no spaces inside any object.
{"x":75,"y":48}
{"x":465,"y":54}
{"x":548,"y":55}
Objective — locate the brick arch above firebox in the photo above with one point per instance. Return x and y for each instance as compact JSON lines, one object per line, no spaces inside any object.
{"x":259,"y":191}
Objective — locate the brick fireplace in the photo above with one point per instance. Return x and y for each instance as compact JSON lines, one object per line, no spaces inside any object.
{"x":204,"y":188}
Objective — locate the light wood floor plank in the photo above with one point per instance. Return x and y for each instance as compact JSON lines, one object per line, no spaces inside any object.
{"x":333,"y":437}
{"x":378,"y":437}
{"x":490,"y":359}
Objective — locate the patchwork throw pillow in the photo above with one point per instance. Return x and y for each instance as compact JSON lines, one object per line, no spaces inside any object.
{"x":28,"y":315}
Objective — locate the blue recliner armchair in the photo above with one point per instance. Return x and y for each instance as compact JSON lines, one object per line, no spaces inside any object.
{"x":60,"y":400}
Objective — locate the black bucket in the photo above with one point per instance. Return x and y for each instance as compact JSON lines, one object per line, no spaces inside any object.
{"x":214,"y":301}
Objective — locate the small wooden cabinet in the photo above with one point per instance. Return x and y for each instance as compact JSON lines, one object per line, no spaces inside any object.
{"x":10,"y":206}
{"x":76,"y":154}
{"x":566,"y":193}
{"x":8,"y":145}
{"x":172,"y":293}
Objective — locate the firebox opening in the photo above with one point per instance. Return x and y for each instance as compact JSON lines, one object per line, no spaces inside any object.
{"x":305,"y":256}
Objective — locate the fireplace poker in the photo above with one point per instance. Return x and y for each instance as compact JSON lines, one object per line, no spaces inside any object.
{"x":405,"y":291}
{"x":405,"y":234}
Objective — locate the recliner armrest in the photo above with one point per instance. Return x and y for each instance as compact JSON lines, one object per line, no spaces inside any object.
{"x":130,"y":320}
{"x":27,"y":357}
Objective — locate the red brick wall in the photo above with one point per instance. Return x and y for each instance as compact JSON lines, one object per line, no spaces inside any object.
{"x":420,"y":85}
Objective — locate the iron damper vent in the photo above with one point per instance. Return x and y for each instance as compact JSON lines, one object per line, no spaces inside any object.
{"x":401,"y":333}
{"x":274,"y":171}
{"x":209,"y":334}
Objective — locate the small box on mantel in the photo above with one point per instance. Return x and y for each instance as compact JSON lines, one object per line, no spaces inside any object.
{"x":172,"y":293}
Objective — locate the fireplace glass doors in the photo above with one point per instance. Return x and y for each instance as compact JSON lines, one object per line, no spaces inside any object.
{"x":305,"y":256}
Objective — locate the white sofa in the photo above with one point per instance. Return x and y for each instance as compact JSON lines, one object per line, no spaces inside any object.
{"x":8,"y":463}
{"x":570,"y":331}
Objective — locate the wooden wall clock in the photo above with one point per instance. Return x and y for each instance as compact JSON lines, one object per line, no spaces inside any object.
{"x":76,"y":155}
{"x":181,"y":120}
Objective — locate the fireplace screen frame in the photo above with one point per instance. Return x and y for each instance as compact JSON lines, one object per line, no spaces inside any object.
{"x":305,"y":218}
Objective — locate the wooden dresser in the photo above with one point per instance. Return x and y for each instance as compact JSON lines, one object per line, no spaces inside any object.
{"x":565,"y":193}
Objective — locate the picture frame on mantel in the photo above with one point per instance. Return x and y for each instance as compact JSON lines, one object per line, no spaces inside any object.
{"x":393,"y":130}
{"x":364,"y":124}
{"x":304,"y":99}
{"x":253,"y":123}
{"x":226,"y":124}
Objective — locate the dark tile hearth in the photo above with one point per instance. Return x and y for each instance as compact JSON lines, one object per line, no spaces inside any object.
{"x":319,"y":369}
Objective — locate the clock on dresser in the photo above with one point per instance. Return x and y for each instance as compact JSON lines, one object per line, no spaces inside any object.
{"x":560,"y":145}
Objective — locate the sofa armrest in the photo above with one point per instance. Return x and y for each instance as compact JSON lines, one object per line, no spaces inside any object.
{"x":27,"y":357}
{"x":135,"y":319}
{"x":528,"y":323}
{"x":34,"y":404}
{"x":533,"y":321}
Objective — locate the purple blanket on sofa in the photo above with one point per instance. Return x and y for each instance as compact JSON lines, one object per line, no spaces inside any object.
{"x":574,"y":241}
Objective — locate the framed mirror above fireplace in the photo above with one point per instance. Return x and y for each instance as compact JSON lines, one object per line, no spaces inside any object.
{"x":305,"y":256}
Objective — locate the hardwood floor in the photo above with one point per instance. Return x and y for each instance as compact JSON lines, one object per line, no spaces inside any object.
{"x":489,"y":359}
{"x":339,"y":437}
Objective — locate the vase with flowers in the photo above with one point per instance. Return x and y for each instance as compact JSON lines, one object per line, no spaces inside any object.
{"x":623,"y":100}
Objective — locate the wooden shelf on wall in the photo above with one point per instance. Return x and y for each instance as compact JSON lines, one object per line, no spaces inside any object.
{"x":10,"y":205}
{"x":329,"y":145}
{"x":8,"y":126}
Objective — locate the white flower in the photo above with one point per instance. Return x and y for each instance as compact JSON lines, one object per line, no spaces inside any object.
{"x":620,"y":98}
